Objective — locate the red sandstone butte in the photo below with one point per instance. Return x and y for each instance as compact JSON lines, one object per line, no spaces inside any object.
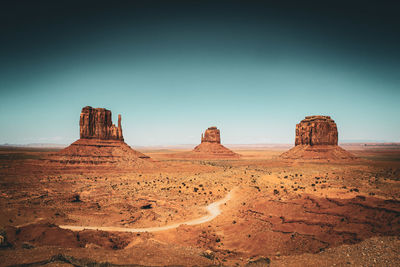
{"x":317,"y":139}
{"x":96,"y":123}
{"x":101,"y":142}
{"x":211,"y":145}
{"x":211,"y":135}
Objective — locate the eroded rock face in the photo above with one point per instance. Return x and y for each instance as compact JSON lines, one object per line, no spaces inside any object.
{"x":211,"y":146}
{"x":317,"y":140}
{"x":101,"y":142}
{"x":211,"y":135}
{"x":316,"y":130}
{"x":96,"y":123}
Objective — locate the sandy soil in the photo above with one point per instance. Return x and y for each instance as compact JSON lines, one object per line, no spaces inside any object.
{"x":281,"y":213}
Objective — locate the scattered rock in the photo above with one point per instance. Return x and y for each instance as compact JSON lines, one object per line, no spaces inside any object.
{"x":76,"y":198}
{"x":3,"y":239}
{"x":27,"y":245}
{"x":261,"y":261}
{"x":208,"y":254}
{"x":146,"y":207}
{"x":362,"y":198}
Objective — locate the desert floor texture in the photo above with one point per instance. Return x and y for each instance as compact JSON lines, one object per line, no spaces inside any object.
{"x":254,"y":210}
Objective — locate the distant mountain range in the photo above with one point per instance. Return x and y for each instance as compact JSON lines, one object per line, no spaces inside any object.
{"x":364,"y":141}
{"x":38,"y":145}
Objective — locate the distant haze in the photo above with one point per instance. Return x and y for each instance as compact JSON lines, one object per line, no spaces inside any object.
{"x":172,"y":69}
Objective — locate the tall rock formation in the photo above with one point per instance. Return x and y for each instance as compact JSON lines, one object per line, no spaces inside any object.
{"x":211,"y":146}
{"x":101,"y":142}
{"x":211,"y":135}
{"x":317,"y":139}
{"x":316,"y":130}
{"x":96,"y":123}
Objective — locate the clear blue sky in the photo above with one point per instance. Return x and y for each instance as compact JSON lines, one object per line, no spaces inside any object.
{"x":252,"y":71}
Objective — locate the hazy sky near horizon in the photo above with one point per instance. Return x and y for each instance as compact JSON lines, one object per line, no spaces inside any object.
{"x":174,"y":68}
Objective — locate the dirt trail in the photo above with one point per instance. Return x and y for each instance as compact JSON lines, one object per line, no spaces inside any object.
{"x":213,"y":211}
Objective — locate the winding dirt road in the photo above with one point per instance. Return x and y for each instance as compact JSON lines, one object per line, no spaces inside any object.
{"x":213,"y":211}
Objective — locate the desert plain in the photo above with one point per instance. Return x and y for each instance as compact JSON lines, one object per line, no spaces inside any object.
{"x":277,"y":213}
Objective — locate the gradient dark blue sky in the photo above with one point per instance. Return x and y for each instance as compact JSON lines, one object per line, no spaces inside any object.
{"x":253,"y":69}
